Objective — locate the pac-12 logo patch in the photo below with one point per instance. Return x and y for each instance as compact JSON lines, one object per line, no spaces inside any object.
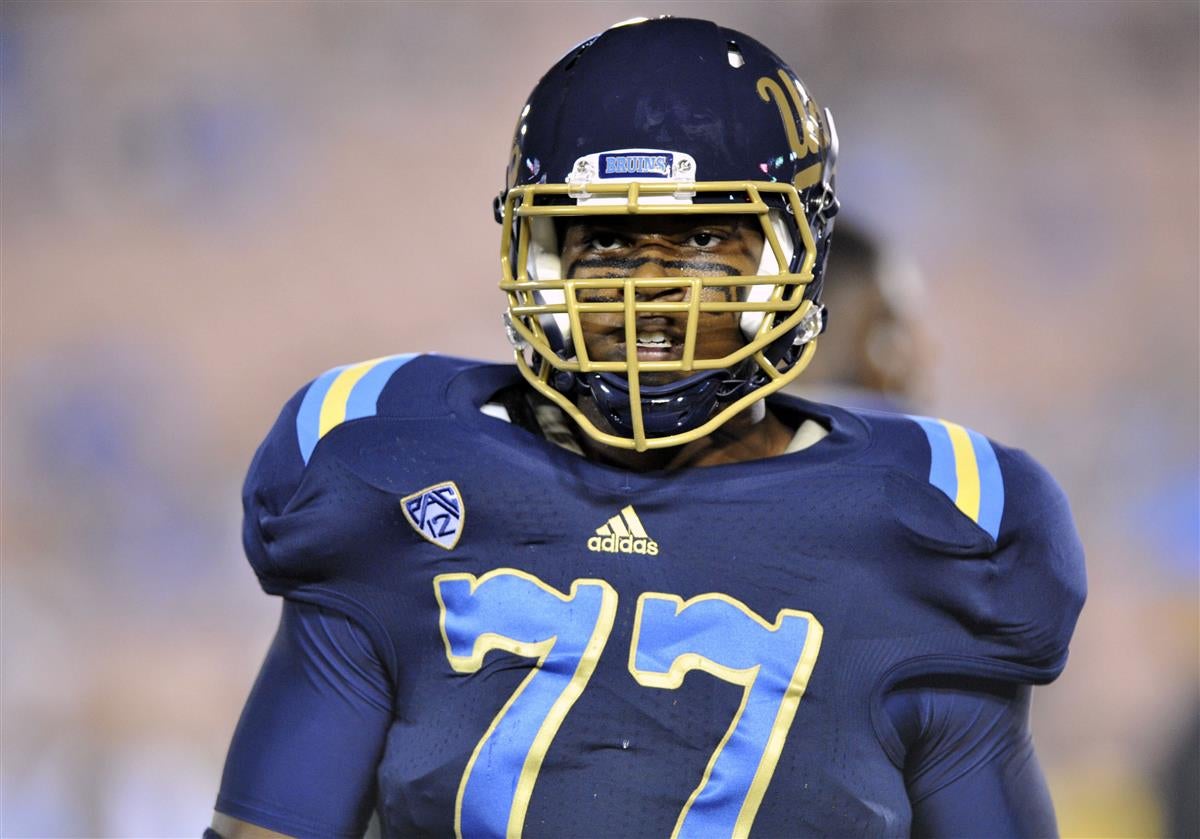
{"x":437,"y":513}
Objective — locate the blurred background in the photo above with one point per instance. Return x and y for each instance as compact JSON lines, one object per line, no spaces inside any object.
{"x":204,"y":205}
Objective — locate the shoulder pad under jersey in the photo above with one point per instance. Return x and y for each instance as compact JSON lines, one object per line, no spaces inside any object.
{"x":279,"y":493}
{"x":340,"y":395}
{"x":1004,"y":557}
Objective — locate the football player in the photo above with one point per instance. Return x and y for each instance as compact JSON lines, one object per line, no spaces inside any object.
{"x":877,"y":355}
{"x":625,"y":587}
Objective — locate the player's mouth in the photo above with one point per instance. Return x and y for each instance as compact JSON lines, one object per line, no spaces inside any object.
{"x":659,"y":338}
{"x":657,"y":345}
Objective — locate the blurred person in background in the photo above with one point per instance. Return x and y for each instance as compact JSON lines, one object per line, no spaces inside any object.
{"x":869,"y":597}
{"x":874,"y":355}
{"x":1179,"y":779}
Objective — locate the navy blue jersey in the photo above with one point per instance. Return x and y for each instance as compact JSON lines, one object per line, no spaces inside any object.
{"x":571,"y":649}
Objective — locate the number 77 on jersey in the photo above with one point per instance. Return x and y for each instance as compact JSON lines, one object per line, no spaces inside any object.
{"x":566,"y":633}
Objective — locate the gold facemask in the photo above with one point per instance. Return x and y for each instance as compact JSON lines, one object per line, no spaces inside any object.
{"x":544,"y":309}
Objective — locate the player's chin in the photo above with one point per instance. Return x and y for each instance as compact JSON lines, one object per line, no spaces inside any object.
{"x":659,"y":379}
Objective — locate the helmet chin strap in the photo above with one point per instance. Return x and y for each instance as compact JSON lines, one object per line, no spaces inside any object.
{"x":666,"y":409}
{"x":688,"y":403}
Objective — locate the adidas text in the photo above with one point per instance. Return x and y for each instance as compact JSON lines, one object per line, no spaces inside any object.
{"x":623,"y":545}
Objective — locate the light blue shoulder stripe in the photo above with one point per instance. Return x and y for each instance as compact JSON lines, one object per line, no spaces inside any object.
{"x":942,"y":473}
{"x":963,"y":465}
{"x":308,"y":418}
{"x":991,"y":484}
{"x":362,"y":400}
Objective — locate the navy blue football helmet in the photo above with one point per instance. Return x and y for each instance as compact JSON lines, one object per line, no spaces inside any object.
{"x":667,"y":116}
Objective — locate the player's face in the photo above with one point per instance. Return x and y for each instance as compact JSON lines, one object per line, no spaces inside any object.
{"x":660,"y":246}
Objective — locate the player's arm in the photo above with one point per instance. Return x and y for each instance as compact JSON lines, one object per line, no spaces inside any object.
{"x":303,"y":757}
{"x":970,"y":767}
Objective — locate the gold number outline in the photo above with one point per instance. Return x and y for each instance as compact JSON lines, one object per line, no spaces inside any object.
{"x":784,"y":716}
{"x":539,"y":650}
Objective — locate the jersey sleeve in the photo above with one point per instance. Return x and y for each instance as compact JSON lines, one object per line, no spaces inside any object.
{"x":1027,"y":614}
{"x":969,"y":764}
{"x":290,"y":495}
{"x":304,"y":753}
{"x":312,"y":521}
{"x":997,"y":554}
{"x":271,"y":483}
{"x":296,"y":527}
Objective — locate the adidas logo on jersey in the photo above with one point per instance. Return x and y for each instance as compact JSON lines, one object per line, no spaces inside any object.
{"x":623,"y":534}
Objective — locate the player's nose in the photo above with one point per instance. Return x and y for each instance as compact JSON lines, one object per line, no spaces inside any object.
{"x":650,"y":267}
{"x":664,"y":293}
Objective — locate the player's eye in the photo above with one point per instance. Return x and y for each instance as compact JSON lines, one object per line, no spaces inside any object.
{"x":603,"y":240}
{"x":704,"y":239}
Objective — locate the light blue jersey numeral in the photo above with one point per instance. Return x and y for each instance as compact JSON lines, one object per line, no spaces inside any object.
{"x":513,"y":611}
{"x":772,"y":662}
{"x":516,"y":612}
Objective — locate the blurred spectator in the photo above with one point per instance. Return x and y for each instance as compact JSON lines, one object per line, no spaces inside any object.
{"x":1181,"y":781}
{"x":873,"y":353}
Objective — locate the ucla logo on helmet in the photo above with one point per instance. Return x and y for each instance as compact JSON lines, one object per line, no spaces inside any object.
{"x":437,"y":513}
